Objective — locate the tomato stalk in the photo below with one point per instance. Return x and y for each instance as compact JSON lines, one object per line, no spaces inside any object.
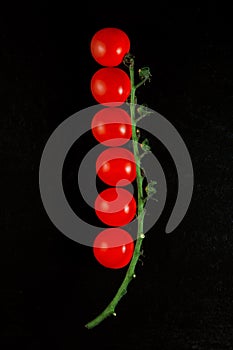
{"x":130,"y":274}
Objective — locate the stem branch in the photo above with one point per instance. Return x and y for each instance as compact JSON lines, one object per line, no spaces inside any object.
{"x":141,"y":83}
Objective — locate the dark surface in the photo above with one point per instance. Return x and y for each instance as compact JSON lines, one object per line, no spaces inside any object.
{"x":51,"y":286}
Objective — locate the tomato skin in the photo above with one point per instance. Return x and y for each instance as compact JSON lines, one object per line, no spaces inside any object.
{"x":109,"y":46}
{"x":110,"y":86}
{"x":111,"y":126}
{"x":115,"y":206}
{"x":116,"y":166}
{"x":113,"y":248}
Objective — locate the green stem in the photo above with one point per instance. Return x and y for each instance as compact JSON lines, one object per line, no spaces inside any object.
{"x":141,"y":83}
{"x":130,"y":274}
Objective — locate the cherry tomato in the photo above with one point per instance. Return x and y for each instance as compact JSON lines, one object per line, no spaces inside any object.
{"x":115,"y":206}
{"x":109,"y":46}
{"x":111,"y":126}
{"x":113,"y":248}
{"x":110,"y":86}
{"x":116,"y":166}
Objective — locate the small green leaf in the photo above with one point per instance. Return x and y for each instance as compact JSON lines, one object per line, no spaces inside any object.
{"x":142,"y":109}
{"x":145,"y":145}
{"x":151,"y":188}
{"x":144,"y":73}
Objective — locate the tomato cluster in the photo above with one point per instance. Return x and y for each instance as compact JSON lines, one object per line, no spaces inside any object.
{"x":115,"y":166}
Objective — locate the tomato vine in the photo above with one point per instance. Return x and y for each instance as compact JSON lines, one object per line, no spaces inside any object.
{"x":144,"y":75}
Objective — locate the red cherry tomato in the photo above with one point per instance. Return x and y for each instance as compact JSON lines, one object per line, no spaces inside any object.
{"x":109,"y":46}
{"x":113,"y":248}
{"x":110,"y":86}
{"x":116,"y":166}
{"x":115,"y":206}
{"x":112,"y":126}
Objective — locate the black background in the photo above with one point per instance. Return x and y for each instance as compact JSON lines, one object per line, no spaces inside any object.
{"x":51,"y":286}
